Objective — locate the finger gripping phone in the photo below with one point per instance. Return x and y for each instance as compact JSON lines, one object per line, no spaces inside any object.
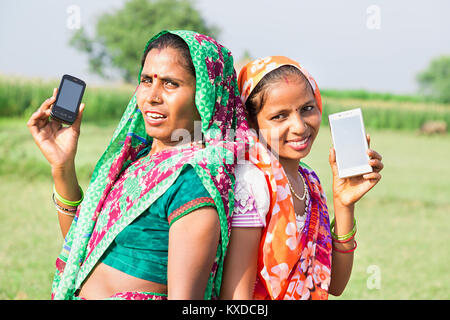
{"x":350,"y":143}
{"x":68,"y":100}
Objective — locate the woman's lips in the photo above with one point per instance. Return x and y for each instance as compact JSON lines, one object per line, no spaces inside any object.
{"x":298,"y":144}
{"x":155,"y":118}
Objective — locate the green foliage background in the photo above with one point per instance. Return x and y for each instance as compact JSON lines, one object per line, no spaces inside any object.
{"x":435,"y":80}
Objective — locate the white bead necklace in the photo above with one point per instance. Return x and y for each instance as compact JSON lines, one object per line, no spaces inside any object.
{"x":300,"y":219}
{"x":305,"y":190}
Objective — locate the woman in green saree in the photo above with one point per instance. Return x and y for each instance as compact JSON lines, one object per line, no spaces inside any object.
{"x":155,"y":220}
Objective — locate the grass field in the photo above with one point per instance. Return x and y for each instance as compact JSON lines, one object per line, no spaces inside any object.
{"x":403,"y":224}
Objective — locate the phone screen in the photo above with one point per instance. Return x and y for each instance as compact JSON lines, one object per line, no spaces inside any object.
{"x":349,"y":142}
{"x":69,"y":95}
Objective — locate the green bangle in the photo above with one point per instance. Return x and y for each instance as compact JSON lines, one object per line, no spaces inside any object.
{"x":344,"y":237}
{"x":67,"y":202}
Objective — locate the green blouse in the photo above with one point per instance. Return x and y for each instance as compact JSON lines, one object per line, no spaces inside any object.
{"x":141,"y":249}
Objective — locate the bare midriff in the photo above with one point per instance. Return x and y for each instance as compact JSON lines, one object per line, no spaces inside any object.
{"x":105,"y":281}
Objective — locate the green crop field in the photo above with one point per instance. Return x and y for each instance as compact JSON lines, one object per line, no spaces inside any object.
{"x":403,"y":223}
{"x":21,"y":97}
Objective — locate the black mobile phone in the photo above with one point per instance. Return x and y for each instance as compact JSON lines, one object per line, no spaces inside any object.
{"x":68,"y":100}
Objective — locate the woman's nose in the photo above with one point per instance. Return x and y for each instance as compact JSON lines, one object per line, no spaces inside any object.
{"x":154,"y":95}
{"x":298,"y":125}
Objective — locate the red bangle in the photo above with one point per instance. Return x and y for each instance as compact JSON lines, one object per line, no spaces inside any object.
{"x":346,"y":240}
{"x":346,"y":251}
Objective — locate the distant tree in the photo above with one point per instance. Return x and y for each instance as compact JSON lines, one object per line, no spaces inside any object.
{"x":435,"y":80}
{"x":120,"y":36}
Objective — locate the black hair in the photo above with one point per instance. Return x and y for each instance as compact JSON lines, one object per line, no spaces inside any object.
{"x":170,"y":40}
{"x":257,"y":98}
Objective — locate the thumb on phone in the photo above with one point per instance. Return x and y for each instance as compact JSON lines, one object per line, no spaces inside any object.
{"x":77,"y":123}
{"x":332,"y":160}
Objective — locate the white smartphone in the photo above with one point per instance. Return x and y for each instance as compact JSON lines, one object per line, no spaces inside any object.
{"x":350,"y":143}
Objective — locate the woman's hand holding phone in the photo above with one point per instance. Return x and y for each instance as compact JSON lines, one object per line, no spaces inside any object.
{"x":59,"y":146}
{"x":347,"y":191}
{"x":57,"y":143}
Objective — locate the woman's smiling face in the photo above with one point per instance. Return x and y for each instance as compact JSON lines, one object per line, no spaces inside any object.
{"x":289,"y":119}
{"x":166,"y":96}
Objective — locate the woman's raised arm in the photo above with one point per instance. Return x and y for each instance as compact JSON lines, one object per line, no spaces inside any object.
{"x":58,"y":144}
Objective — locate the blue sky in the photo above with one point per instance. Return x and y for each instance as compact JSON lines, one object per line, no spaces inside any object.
{"x":377,"y":45}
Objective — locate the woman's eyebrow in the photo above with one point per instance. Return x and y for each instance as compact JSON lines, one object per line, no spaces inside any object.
{"x":169,"y":78}
{"x":145,"y":76}
{"x":162,"y":77}
{"x":312,"y":101}
{"x":281,"y":109}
